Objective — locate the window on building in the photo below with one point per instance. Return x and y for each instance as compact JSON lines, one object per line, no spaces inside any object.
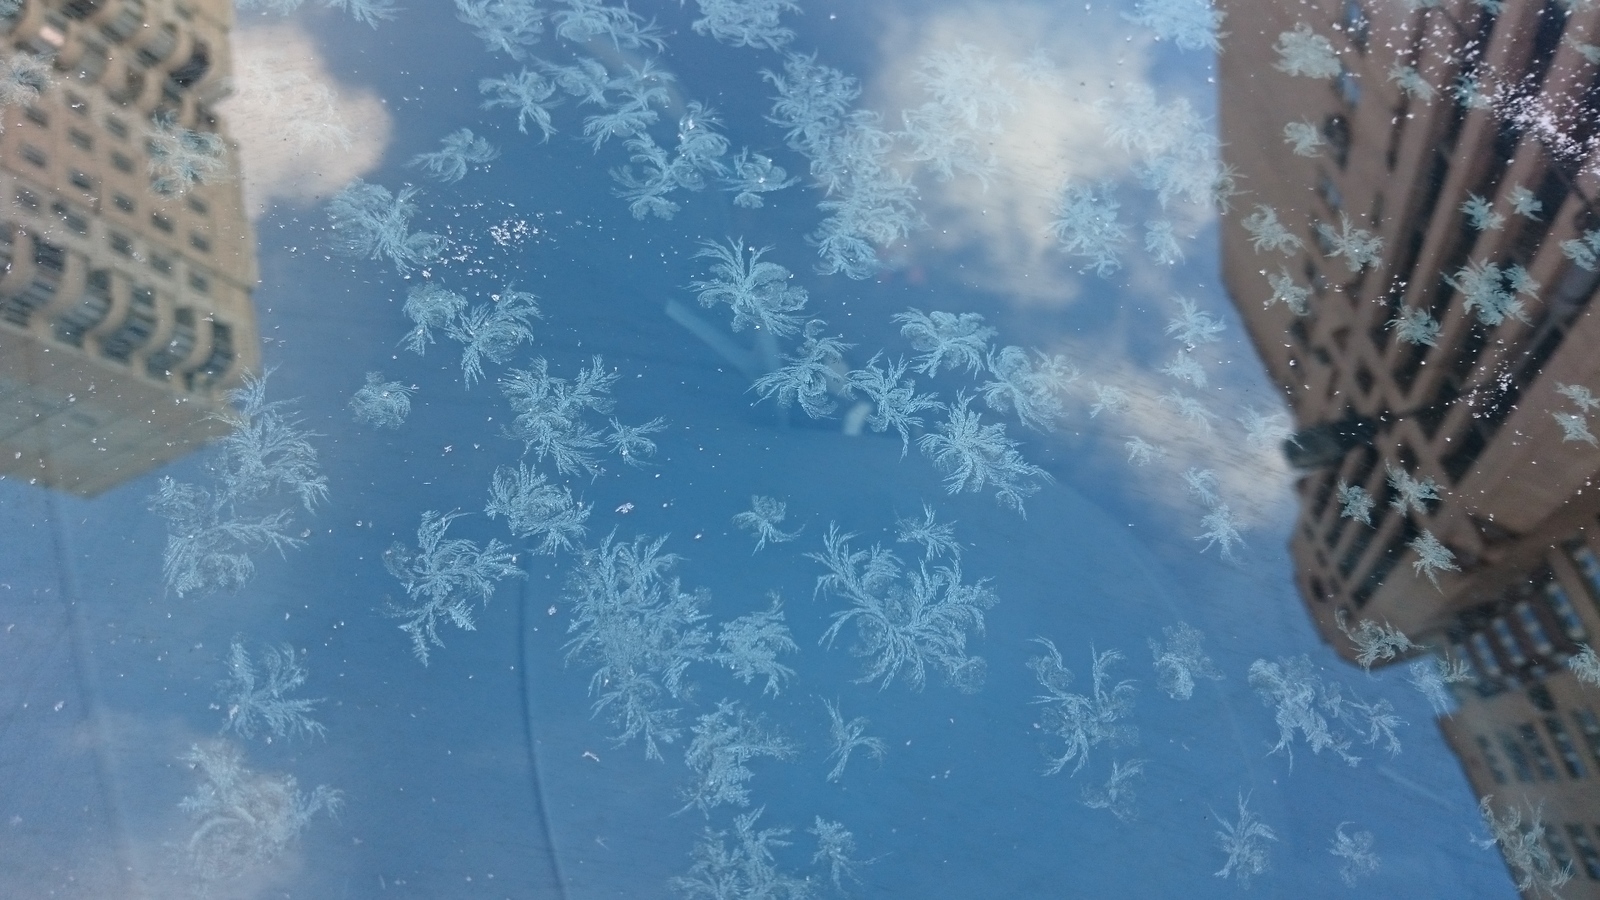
{"x":79,"y":139}
{"x":1532,"y":628}
{"x":116,"y":127}
{"x":122,"y":202}
{"x":1329,"y":192}
{"x":1587,"y":563}
{"x":121,"y":162}
{"x":1588,"y":856}
{"x":78,"y":105}
{"x":1589,"y":727}
{"x":1508,"y":642}
{"x":70,"y":217}
{"x":199,"y":283}
{"x":37,"y":116}
{"x":1555,"y":597}
{"x":28,"y":200}
{"x":1541,"y":754}
{"x":1357,"y":27}
{"x":81,"y":180}
{"x":1517,"y":755}
{"x":1558,"y":849}
{"x":1491,"y":760}
{"x":1566,"y":748}
{"x":161,"y":264}
{"x":161,"y":222}
{"x":1483,"y":655}
{"x":1336,"y":131}
{"x":1348,"y":87}
{"x":35,"y":156}
{"x":198,"y":205}
{"x":121,"y":244}
{"x":199,"y":242}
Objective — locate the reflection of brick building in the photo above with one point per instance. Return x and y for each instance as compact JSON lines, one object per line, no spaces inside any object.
{"x":123,"y":313}
{"x":1474,"y":412}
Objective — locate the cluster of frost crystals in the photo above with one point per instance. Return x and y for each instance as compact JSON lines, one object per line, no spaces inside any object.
{"x":367,"y":12}
{"x":1359,"y":247}
{"x":181,"y":158}
{"x":746,"y":23}
{"x":1410,"y":493}
{"x":946,"y":340}
{"x":746,"y":868}
{"x":303,"y":110}
{"x":1491,"y":291}
{"x":535,"y":508}
{"x":23,"y":77}
{"x":442,"y":578}
{"x":974,"y":457}
{"x":938,"y":539}
{"x":1268,"y":233}
{"x":869,"y":203}
{"x":1161,"y":242}
{"x":256,"y":698}
{"x":1176,"y":151}
{"x":1585,"y":665}
{"x":1190,"y":24}
{"x":906,"y":620}
{"x":1245,"y":843}
{"x":486,"y":331}
{"x":1415,"y":326}
{"x":752,"y":643}
{"x":368,"y":222}
{"x":698,"y":156}
{"x":1374,"y":642}
{"x":243,"y":820}
{"x":1290,"y":293}
{"x":526,"y":92}
{"x":550,"y":419}
{"x":1355,"y":503}
{"x":1082,"y":721}
{"x":1116,"y":795}
{"x":583,"y":21}
{"x":1575,"y":426}
{"x":1304,"y":703}
{"x":1179,"y":660}
{"x":763,"y":518}
{"x":213,"y":531}
{"x":846,"y":738}
{"x":1411,"y":83}
{"x":1429,"y":676}
{"x":1482,"y":214}
{"x":505,"y":26}
{"x":761,"y":295}
{"x":1303,"y":138}
{"x":956,"y":130}
{"x":724,"y":743}
{"x":1433,"y":557}
{"x":1087,"y":226}
{"x":894,"y":398}
{"x":750,"y":175}
{"x":1356,"y":859}
{"x":1583,"y":250}
{"x":811,"y":376}
{"x":1304,"y":52}
{"x":1030,"y":387}
{"x":1525,"y":848}
{"x":462,"y":150}
{"x":643,"y":88}
{"x":382,"y":403}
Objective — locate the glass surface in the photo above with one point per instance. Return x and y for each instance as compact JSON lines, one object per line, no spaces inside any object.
{"x":742,"y":448}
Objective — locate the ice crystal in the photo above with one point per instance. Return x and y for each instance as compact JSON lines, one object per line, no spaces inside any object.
{"x":1116,"y":795}
{"x":1141,"y":452}
{"x":1180,"y":659}
{"x":747,"y":868}
{"x":1304,"y":52}
{"x":974,"y":456}
{"x":1525,"y":848}
{"x":1359,"y":247}
{"x":528,"y":93}
{"x":1082,"y":721}
{"x":1221,"y":528}
{"x":1304,"y":703}
{"x":760,"y":294}
{"x":442,"y":578}
{"x":894,"y":397}
{"x":641,"y":631}
{"x":1429,"y":676}
{"x":956,"y":130}
{"x":1086,"y":224}
{"x":1415,"y":326}
{"x":906,"y":620}
{"x":550,"y":413}
{"x":836,"y":848}
{"x":587,"y":20}
{"x":1356,"y":859}
{"x":382,"y":403}
{"x":585,"y":79}
{"x":1411,"y":83}
{"x":505,"y":26}
{"x":746,"y":23}
{"x":631,"y":443}
{"x":370,"y":223}
{"x":946,"y":340}
{"x":1433,"y":557}
{"x":1185,"y":367}
{"x":1585,"y":399}
{"x":1267,"y":233}
{"x":213,"y":531}
{"x":535,"y":508}
{"x":752,"y":643}
{"x":1245,"y":843}
{"x":462,"y":150}
{"x":1409,"y":493}
{"x":751,"y":175}
{"x":1482,"y":214}
{"x":1265,"y":431}
{"x":1189,"y":24}
{"x":1585,"y":664}
{"x":1108,"y":398}
{"x":1304,"y":138}
{"x":1491,"y":291}
{"x":1374,"y":642}
{"x":1201,"y":485}
{"x":938,"y":539}
{"x":724,"y":743}
{"x":1287,"y":291}
{"x":1031,"y":388}
{"x":23,"y":77}
{"x":1574,"y":428}
{"x":846,"y":738}
{"x":1585,"y":250}
{"x":1189,"y":409}
{"x":1355,"y":503}
{"x":763,"y":518}
{"x":181,"y":158}
{"x":1161,"y":242}
{"x":255,"y":694}
{"x":811,"y":376}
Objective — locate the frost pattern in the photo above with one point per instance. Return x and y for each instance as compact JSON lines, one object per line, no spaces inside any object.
{"x":836,"y":847}
{"x":536,"y":508}
{"x":938,"y":539}
{"x":1176,"y":151}
{"x":810,"y":376}
{"x":763,"y":518}
{"x":1524,"y":846}
{"x":1082,"y":721}
{"x":587,"y":20}
{"x":1491,"y":291}
{"x":746,"y":868}
{"x":526,"y":92}
{"x":550,"y":413}
{"x":486,"y":331}
{"x":504,"y":26}
{"x":1415,"y":326}
{"x":181,"y":158}
{"x":1374,"y":642}
{"x":1585,"y":665}
{"x":1245,"y":843}
{"x":760,"y":294}
{"x":1303,"y":138}
{"x":894,"y":398}
{"x":382,"y":403}
{"x":1430,"y":675}
{"x":1359,"y":247}
{"x":956,"y":130}
{"x":1290,"y":293}
{"x":441,"y":579}
{"x":1086,"y":224}
{"x":1031,"y":388}
{"x":1304,"y":52}
{"x":1481,"y":213}
{"x":1268,"y":233}
{"x":1141,"y":452}
{"x":974,"y":456}
{"x":906,"y":620}
{"x":1304,"y":703}
{"x":1116,"y":795}
{"x":752,"y":643}
{"x":746,"y":23}
{"x":23,"y":77}
{"x":946,"y":340}
{"x":1221,"y":530}
{"x":847,"y":737}
{"x":725,"y":741}
{"x":462,"y":150}
{"x":254,"y":694}
{"x":1409,"y":493}
{"x":1180,"y":659}
{"x":751,"y":175}
{"x":1356,"y":859}
{"x":213,"y":531}
{"x":1189,"y":24}
{"x":368,"y":222}
{"x":243,"y":820}
{"x":1355,"y":503}
{"x":1433,"y":557}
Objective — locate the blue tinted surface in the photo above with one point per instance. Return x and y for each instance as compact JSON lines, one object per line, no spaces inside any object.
{"x":485,"y":773}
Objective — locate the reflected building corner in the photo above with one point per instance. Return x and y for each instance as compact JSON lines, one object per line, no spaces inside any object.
{"x":125,"y":312}
{"x":1513,"y":119}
